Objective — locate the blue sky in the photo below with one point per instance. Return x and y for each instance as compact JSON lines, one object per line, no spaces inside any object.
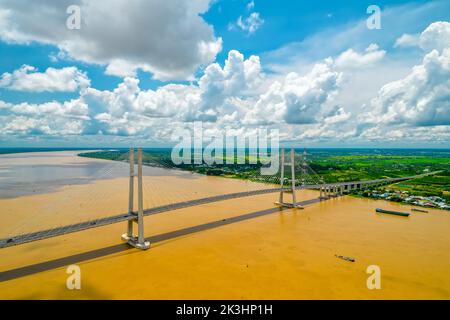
{"x":138,"y":72}
{"x":284,"y":21}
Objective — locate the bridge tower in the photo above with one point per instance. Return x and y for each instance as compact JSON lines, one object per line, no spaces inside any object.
{"x":290,"y":189}
{"x":304,"y":167}
{"x":133,"y":240}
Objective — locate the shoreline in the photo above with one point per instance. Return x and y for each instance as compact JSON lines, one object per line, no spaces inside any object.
{"x":398,"y":202}
{"x":240,"y":176}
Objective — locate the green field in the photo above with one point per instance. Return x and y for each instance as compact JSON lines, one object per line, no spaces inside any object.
{"x":348,"y":168}
{"x":436,"y":185}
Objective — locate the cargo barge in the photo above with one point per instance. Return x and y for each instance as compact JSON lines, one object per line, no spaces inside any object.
{"x":402,"y":214}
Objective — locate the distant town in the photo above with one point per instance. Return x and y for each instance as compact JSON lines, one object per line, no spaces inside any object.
{"x":406,"y":197}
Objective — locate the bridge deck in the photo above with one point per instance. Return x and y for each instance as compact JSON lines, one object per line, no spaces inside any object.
{"x":39,"y":235}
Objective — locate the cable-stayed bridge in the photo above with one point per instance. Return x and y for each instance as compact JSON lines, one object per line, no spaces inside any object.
{"x":300,"y":176}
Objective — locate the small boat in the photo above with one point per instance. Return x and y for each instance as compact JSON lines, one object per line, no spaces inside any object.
{"x":419,"y":210}
{"x":350,"y":259}
{"x":402,"y":214}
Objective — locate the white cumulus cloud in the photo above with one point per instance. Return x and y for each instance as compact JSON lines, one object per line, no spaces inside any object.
{"x":422,"y":98}
{"x":297,"y":99}
{"x":436,"y":36}
{"x":170,"y":39}
{"x":350,"y":59}
{"x":239,"y":96}
{"x":28,"y":78}
{"x":49,"y":119}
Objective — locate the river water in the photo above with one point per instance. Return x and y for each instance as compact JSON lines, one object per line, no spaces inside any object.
{"x":234,"y":249}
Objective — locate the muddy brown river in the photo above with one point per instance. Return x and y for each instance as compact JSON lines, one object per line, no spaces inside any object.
{"x":236,"y":249}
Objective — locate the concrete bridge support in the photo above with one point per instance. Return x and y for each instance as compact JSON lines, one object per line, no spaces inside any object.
{"x":139,"y":240}
{"x":290,"y":190}
{"x":329,"y":191}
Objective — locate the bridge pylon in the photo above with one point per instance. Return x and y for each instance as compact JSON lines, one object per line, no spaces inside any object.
{"x":133,"y":240}
{"x":290,"y":189}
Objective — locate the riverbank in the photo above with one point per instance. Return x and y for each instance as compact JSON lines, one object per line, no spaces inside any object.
{"x":390,"y":193}
{"x":333,"y":166}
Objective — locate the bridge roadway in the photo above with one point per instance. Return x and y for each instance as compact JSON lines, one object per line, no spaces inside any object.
{"x":39,"y":235}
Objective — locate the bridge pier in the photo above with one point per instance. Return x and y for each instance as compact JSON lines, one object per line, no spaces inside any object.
{"x":290,"y":190}
{"x":330,"y":191}
{"x":324,"y":192}
{"x":133,"y":240}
